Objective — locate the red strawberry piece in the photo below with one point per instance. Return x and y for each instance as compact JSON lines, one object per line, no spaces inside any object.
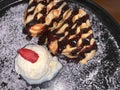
{"x":28,"y":55}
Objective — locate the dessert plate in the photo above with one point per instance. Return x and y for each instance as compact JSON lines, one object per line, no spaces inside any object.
{"x":100,"y":73}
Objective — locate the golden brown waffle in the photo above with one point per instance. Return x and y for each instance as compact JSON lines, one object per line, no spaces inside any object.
{"x":65,"y":31}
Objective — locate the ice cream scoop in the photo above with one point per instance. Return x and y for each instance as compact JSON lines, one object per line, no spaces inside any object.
{"x":36,"y":65}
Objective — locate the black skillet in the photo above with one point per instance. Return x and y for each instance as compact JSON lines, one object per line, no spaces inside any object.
{"x":105,"y":73}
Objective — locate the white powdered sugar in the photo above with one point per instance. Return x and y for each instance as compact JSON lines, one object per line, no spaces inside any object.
{"x":72,"y":76}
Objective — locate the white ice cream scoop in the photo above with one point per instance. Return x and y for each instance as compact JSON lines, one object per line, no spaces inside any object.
{"x":36,"y":65}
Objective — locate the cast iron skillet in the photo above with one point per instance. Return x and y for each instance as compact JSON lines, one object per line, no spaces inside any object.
{"x":106,"y":19}
{"x":110,"y":63}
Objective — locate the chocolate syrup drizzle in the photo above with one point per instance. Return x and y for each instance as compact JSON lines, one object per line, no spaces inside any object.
{"x":51,"y":36}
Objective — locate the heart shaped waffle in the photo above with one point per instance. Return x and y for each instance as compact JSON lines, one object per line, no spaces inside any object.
{"x":66,"y":31}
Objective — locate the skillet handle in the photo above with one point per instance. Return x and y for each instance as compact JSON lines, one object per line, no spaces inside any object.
{"x":7,"y":3}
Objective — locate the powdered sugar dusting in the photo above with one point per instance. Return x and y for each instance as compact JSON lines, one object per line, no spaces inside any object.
{"x":95,"y":75}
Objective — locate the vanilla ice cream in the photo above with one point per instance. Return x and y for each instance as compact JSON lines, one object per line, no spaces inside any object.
{"x":41,"y":70}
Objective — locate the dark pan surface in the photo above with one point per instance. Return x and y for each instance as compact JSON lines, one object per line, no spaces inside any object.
{"x":100,"y":73}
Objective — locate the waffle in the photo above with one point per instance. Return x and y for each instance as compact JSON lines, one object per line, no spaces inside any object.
{"x":66,"y":31}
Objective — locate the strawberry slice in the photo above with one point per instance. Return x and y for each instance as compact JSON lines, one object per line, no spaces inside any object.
{"x":28,"y":55}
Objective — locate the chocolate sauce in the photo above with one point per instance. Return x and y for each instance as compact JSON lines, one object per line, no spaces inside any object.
{"x":90,"y":37}
{"x":82,"y":19}
{"x":73,"y":41}
{"x":68,"y":21}
{"x":31,"y":23}
{"x":43,"y":36}
{"x":43,"y":2}
{"x":75,"y":51}
{"x":94,"y":46}
{"x":86,"y":41}
{"x":72,"y":31}
{"x":81,"y":56}
{"x":51,"y":24}
{"x":51,"y":36}
{"x":43,"y":12}
{"x":25,"y":31}
{"x":61,"y":15}
{"x":62,"y":44}
{"x":29,"y":37}
{"x":85,"y":30}
{"x":42,"y":39}
{"x":86,"y":50}
{"x":64,"y":9}
{"x":34,"y":3}
{"x":59,"y":35}
{"x":41,"y":20}
{"x":57,"y":5}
